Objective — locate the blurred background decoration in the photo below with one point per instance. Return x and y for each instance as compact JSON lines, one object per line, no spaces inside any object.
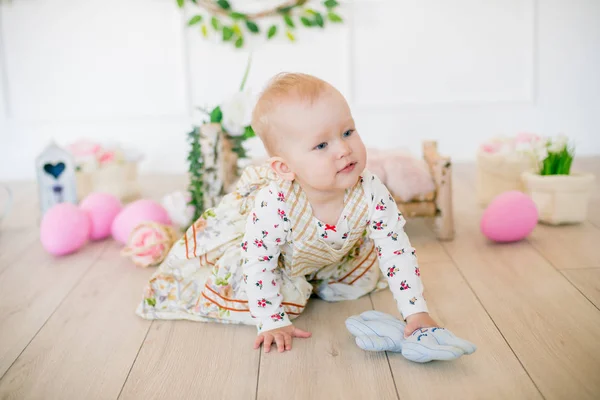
{"x":138,"y":73}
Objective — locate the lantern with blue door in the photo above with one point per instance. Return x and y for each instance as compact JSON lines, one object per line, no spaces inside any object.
{"x":56,"y":177}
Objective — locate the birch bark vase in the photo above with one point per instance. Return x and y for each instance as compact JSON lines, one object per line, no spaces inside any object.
{"x":220,"y":163}
{"x":560,"y":199}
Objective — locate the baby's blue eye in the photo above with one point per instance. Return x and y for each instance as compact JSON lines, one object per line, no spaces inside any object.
{"x":348,"y":133}
{"x":321,"y":146}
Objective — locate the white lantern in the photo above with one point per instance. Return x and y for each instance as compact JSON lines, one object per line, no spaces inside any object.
{"x":56,"y":177}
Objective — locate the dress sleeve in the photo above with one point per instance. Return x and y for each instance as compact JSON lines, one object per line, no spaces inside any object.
{"x":397,"y":258}
{"x":267,"y":229}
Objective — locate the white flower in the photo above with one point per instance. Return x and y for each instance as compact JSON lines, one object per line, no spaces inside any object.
{"x":541,"y":153}
{"x":178,"y":209}
{"x":558,"y":144}
{"x":237,"y":113}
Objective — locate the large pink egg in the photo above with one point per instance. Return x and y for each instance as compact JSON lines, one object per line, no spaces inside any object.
{"x":64,"y":229}
{"x":135,"y":213}
{"x":102,"y":209}
{"x":510,"y":217}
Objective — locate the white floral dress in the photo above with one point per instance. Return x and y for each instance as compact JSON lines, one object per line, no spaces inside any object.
{"x":260,"y":254}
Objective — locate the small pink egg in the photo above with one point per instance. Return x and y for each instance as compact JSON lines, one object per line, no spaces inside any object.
{"x":64,"y":229}
{"x":510,"y":217}
{"x":102,"y":209}
{"x":134,"y":214}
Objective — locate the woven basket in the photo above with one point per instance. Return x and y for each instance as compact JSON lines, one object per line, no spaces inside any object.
{"x":497,"y":174}
{"x":120,"y":180}
{"x":560,"y":199}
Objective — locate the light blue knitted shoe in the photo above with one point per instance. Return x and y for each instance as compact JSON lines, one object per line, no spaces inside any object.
{"x":377,"y":331}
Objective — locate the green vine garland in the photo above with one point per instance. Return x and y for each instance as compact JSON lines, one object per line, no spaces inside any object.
{"x":232,"y":25}
{"x":196,"y":171}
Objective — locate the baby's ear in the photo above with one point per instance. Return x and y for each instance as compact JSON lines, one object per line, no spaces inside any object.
{"x":281,"y":168}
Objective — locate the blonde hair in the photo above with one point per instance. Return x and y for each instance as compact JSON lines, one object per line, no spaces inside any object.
{"x":297,"y":87}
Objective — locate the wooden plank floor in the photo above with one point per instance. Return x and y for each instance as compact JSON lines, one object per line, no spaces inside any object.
{"x":68,"y":328}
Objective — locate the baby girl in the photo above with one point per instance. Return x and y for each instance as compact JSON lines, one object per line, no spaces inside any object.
{"x":312,"y":220}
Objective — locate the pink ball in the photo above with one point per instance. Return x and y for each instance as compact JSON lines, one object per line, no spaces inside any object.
{"x":510,"y":217}
{"x":102,"y":209}
{"x":64,"y":229}
{"x":135,"y":213}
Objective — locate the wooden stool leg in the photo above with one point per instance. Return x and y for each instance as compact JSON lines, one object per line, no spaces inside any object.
{"x":441,"y":171}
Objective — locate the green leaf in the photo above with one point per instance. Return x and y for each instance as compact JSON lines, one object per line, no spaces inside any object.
{"x":224,"y":4}
{"x":333,"y":17}
{"x":289,"y":21}
{"x":204,"y":30}
{"x":290,"y":36}
{"x":195,"y":19}
{"x":311,"y":11}
{"x":252,"y":27}
{"x":216,"y":115}
{"x":306,"y":21}
{"x":319,"y":20}
{"x":237,"y":15}
{"x":248,"y":133}
{"x":210,"y":213}
{"x":216,"y":24}
{"x":151,"y":302}
{"x":331,"y":3}
{"x":239,"y":43}
{"x":227,"y":33}
{"x":180,"y":3}
{"x":237,"y":30}
{"x":272,"y":31}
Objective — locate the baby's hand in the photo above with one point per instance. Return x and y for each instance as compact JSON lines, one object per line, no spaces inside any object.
{"x":418,"y":320}
{"x":282,"y":336}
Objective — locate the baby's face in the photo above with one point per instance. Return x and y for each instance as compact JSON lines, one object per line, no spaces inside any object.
{"x":320,"y":143}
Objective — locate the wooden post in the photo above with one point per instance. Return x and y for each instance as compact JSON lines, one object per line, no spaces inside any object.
{"x":441,"y":171}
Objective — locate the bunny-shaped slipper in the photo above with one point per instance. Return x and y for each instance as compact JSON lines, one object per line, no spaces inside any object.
{"x":377,"y":331}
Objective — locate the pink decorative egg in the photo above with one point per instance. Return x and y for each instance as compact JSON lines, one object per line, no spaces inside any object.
{"x":134,"y":214}
{"x":510,"y":217}
{"x":102,"y":209}
{"x":64,"y":229}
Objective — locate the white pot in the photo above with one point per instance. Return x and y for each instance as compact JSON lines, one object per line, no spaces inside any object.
{"x":560,"y":199}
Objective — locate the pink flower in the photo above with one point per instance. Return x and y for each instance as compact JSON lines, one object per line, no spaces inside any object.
{"x":525,"y":137}
{"x":106,"y":157}
{"x":84,"y":148}
{"x":149,"y":243}
{"x":492,"y":147}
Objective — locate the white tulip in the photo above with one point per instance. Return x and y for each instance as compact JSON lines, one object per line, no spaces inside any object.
{"x":558,"y":144}
{"x":237,"y":113}
{"x":541,"y":153}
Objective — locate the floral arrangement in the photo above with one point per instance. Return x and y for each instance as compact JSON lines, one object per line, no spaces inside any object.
{"x":559,"y":157}
{"x":549,"y":155}
{"x":234,"y":117}
{"x":90,"y":156}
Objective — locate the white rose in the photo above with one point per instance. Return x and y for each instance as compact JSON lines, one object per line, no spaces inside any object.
{"x":178,"y":209}
{"x":237,"y":113}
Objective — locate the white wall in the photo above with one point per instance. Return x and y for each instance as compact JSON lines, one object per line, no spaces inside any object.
{"x":456,"y":71}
